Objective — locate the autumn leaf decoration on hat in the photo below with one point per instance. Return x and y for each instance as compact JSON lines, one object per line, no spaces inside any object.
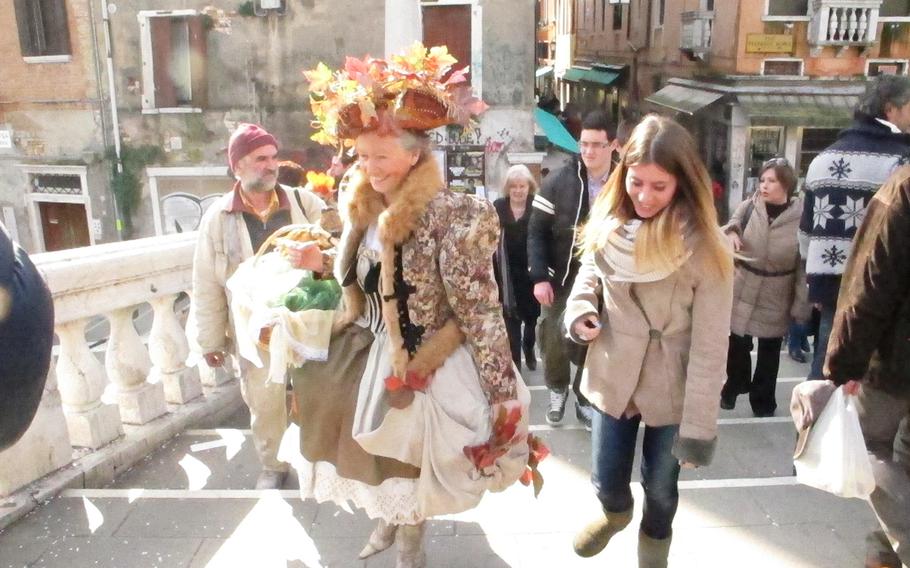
{"x":413,"y":90}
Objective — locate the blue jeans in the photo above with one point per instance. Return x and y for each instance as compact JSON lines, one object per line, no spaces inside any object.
{"x":797,"y":336}
{"x":613,"y":451}
{"x":825,"y":323}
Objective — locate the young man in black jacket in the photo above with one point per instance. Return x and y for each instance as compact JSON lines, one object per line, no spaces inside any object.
{"x":559,"y":209}
{"x":870,"y":343}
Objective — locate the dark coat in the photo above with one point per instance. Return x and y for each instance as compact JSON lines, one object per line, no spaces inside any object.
{"x":871,"y":335}
{"x":515,"y":235}
{"x":558,"y":208}
{"x":26,"y":338}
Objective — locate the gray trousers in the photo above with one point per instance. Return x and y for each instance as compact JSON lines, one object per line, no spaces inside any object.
{"x":885,"y":420}
{"x":554,"y":347}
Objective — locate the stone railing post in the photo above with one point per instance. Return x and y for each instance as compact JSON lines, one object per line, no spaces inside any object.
{"x":45,"y":446}
{"x":168,"y":350}
{"x":127,"y":363}
{"x":81,"y":381}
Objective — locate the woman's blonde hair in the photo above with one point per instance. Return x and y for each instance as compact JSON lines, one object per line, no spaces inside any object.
{"x":519,"y":172}
{"x":659,"y":243}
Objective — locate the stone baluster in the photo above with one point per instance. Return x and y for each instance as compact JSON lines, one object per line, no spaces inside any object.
{"x":45,"y":446}
{"x":863,"y":29}
{"x":127,"y":363}
{"x":852,"y":25}
{"x":709,"y":25}
{"x":81,"y":381}
{"x":168,"y":350}
{"x":833,"y":24}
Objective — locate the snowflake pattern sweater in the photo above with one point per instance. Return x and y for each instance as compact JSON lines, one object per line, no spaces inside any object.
{"x":839,"y":184}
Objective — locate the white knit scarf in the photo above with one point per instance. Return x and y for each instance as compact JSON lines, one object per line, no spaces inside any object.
{"x":620,"y":255}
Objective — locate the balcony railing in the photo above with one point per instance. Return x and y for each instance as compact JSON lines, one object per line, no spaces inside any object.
{"x":697,"y":28}
{"x":86,"y":402}
{"x":843,"y":23}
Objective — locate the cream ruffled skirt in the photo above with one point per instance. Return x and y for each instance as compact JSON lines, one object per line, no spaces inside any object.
{"x":430,"y":434}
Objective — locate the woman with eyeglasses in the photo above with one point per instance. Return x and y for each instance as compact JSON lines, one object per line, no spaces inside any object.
{"x":769,"y":285}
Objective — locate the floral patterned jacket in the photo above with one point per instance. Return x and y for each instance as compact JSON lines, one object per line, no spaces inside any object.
{"x":437,"y":278}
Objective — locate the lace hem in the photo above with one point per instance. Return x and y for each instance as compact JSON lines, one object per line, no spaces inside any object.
{"x":393,"y":500}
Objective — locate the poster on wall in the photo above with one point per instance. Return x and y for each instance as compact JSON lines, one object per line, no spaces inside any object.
{"x":465,"y":168}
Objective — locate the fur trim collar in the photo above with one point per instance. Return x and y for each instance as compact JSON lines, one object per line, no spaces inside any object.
{"x":406,"y":204}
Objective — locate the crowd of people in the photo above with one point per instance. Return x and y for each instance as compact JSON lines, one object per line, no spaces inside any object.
{"x":621,"y":257}
{"x":420,"y":407}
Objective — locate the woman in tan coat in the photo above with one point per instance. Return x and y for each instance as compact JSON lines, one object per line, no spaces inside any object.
{"x":653,"y":300}
{"x":769,"y":286}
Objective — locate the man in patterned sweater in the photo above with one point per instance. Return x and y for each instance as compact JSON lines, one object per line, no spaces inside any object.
{"x":840,"y":183}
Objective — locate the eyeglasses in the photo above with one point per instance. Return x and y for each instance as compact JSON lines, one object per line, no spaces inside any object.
{"x":593,"y":145}
{"x":775,"y":162}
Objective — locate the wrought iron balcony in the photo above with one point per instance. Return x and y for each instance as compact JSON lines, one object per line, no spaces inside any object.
{"x":697,"y":27}
{"x":843,"y":23}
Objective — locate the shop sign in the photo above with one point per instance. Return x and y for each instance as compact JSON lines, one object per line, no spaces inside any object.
{"x":769,"y":43}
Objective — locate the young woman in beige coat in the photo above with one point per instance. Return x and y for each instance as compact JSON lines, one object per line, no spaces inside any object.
{"x":653,"y":300}
{"x":769,"y":286}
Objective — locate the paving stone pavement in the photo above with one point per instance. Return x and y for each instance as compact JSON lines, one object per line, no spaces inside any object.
{"x":192,"y":504}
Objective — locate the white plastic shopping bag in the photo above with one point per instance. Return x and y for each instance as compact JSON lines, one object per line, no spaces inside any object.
{"x":835,"y":458}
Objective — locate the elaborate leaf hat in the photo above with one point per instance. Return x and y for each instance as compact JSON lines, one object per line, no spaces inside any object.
{"x":410,"y":91}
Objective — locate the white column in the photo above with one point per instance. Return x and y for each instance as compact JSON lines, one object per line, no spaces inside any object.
{"x":168,"y":350}
{"x":44,"y":448}
{"x":127,"y":363}
{"x":81,"y":381}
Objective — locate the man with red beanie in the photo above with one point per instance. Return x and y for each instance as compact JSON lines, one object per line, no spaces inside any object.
{"x":231,"y":231}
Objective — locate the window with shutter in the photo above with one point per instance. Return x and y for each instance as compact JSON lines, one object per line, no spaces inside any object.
{"x":450,"y":26}
{"x":43,"y":28}
{"x":178,"y":50}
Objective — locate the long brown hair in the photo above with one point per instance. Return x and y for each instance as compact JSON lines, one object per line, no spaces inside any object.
{"x":659,"y":244}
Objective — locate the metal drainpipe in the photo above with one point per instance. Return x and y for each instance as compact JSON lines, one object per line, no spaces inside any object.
{"x":115,"y":120}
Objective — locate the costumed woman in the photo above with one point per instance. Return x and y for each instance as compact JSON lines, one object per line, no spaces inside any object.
{"x":418,"y":410}
{"x":653,"y":299}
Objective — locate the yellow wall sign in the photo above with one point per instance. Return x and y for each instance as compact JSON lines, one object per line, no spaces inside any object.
{"x":769,"y":43}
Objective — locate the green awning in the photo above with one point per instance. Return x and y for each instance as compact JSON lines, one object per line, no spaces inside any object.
{"x":816,"y":111}
{"x":683,"y":99}
{"x":578,"y":74}
{"x":555,"y":131}
{"x":573,"y":74}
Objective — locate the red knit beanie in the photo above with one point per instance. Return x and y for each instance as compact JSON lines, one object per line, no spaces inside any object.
{"x":245,"y":139}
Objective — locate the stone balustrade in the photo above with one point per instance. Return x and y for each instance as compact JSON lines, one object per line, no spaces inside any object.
{"x":843,"y":23}
{"x":86,"y":403}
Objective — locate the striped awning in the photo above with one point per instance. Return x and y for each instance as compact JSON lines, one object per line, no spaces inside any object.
{"x":683,"y":99}
{"x":817,"y":111}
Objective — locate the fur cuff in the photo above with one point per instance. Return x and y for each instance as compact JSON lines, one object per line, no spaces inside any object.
{"x":696,"y":452}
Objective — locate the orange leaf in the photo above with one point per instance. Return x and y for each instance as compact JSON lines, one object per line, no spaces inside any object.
{"x":393,"y":383}
{"x":526,"y":477}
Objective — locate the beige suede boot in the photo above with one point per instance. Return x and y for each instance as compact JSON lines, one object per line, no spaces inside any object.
{"x":594,"y":537}
{"x":410,"y":546}
{"x":653,"y":552}
{"x":381,"y":538}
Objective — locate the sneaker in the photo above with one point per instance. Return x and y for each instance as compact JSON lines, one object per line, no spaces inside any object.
{"x":584,"y":414}
{"x":557,"y":406}
{"x":797,"y":355}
